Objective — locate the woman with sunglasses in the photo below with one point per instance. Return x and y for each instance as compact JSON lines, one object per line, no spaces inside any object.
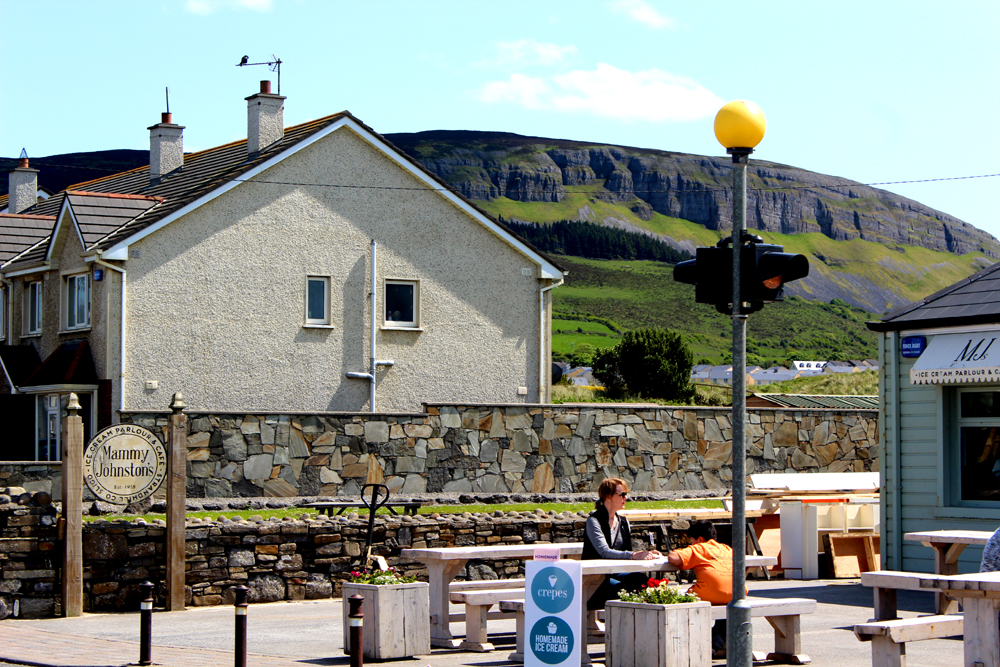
{"x":610,"y":536}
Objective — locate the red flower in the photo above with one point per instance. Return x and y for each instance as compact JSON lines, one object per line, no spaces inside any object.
{"x":655,"y":583}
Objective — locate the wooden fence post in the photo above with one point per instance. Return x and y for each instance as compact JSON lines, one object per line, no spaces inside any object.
{"x":176,"y":502}
{"x":72,"y":509}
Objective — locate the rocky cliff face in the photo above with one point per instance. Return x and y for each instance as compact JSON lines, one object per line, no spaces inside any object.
{"x":781,"y":198}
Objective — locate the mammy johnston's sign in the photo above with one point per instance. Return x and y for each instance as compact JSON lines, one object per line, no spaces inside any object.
{"x":124,"y":464}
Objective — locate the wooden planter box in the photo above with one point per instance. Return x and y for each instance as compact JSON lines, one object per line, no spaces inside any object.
{"x":396,"y":622}
{"x":658,"y":635}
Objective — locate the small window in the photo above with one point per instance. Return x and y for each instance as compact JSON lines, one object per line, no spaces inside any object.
{"x":978,"y":448}
{"x":33,"y":308}
{"x":318,"y":300}
{"x":78,"y":301}
{"x":401,"y":303}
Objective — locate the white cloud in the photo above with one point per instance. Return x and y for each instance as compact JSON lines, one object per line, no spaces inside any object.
{"x":642,"y":12}
{"x":610,"y":92}
{"x":530,"y":52}
{"x":205,"y":7}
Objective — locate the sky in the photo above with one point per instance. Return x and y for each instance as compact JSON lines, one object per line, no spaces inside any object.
{"x":874,"y":92}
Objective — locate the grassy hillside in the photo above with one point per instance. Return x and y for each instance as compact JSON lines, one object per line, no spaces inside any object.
{"x":644,"y":294}
{"x":873,"y":276}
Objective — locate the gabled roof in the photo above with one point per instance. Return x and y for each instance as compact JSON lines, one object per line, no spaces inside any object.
{"x":70,"y":364}
{"x":20,"y":232}
{"x":972,"y":300}
{"x":211,"y":172}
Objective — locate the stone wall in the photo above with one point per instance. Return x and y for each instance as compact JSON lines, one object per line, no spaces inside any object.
{"x":505,"y":448}
{"x":33,"y":476}
{"x":278,"y":560}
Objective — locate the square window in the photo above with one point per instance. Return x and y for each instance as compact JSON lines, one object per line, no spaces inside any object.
{"x":33,"y":308}
{"x":317,"y":300}
{"x":78,"y":301}
{"x":975,"y":448}
{"x":401,"y":303}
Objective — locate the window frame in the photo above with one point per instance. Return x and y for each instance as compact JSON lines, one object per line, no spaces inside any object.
{"x":71,"y":303}
{"x":32,"y":293}
{"x":953,"y":456}
{"x":325,"y":321}
{"x":403,"y":325}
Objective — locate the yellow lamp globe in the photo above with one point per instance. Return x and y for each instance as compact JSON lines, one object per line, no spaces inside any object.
{"x":740,"y":124}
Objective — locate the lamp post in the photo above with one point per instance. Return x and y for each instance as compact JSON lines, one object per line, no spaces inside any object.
{"x":739,"y":127}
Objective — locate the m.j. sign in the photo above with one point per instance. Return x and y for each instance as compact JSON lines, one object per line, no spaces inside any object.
{"x":124,"y":464}
{"x":959,"y":358}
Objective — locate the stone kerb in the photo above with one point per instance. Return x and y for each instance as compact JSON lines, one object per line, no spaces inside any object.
{"x":509,"y":449}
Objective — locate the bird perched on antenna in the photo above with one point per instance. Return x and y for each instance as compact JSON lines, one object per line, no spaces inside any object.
{"x":243,"y":61}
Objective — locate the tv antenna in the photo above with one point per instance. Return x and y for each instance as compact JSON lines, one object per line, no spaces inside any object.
{"x":274,"y":64}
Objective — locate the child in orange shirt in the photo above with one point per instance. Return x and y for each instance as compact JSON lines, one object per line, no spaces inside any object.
{"x":712,"y":563}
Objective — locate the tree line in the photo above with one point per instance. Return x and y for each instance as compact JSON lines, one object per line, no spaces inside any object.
{"x":593,"y":241}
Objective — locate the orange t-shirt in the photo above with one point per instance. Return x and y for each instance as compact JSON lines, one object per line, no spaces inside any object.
{"x":713,"y":568}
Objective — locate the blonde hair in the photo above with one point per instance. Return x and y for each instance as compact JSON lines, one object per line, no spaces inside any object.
{"x":608,"y":488}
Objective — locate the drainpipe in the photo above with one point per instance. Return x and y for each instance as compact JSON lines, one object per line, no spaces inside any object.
{"x":374,"y":363}
{"x":121,"y":337}
{"x":541,"y":337}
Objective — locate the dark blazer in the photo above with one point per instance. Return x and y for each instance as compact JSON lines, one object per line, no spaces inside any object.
{"x":601,"y":514}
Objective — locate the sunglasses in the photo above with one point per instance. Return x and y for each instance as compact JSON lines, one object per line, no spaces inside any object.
{"x":624,"y":495}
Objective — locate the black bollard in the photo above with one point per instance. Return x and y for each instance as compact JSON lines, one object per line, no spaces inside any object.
{"x":241,"y":625}
{"x":146,"y":624}
{"x":357,"y":630}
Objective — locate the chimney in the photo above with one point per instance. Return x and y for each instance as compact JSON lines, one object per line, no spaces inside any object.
{"x":22,"y":186}
{"x":166,"y":148}
{"x":265,"y":119}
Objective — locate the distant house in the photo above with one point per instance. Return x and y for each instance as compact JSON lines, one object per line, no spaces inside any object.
{"x":774,"y":374}
{"x":808,"y":365}
{"x":254,"y":276}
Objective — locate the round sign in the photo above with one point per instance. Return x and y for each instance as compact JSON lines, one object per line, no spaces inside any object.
{"x":124,"y":464}
{"x":551,"y":640}
{"x":552,"y":589}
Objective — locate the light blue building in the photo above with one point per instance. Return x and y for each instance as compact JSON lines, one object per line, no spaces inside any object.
{"x":939,"y":419}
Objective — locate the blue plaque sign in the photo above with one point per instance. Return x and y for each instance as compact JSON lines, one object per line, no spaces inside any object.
{"x":913,"y":346}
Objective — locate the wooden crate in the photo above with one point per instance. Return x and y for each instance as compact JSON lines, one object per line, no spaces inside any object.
{"x":657,"y":635}
{"x":850,"y":554}
{"x":396,"y":620}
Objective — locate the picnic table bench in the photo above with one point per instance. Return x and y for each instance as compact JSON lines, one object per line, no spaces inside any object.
{"x":409,"y":506}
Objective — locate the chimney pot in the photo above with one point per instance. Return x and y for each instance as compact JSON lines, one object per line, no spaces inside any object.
{"x":166,"y":148}
{"x":22,"y":186}
{"x":265,"y":119}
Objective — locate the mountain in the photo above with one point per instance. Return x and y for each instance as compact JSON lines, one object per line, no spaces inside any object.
{"x":867,"y":247}
{"x":871,"y":248}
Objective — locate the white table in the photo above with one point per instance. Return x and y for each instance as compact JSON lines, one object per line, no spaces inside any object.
{"x":948,"y":545}
{"x":980,"y":596}
{"x":445,"y":562}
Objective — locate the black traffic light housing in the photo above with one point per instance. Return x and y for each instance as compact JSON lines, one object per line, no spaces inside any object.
{"x":764,"y":271}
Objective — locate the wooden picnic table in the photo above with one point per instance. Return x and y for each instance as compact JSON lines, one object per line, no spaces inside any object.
{"x":409,"y":506}
{"x":979,"y":593}
{"x":948,"y":545}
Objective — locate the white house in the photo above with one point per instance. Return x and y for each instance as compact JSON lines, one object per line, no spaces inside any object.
{"x":313,"y":268}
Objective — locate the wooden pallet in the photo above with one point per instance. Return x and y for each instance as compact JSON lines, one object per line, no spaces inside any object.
{"x":850,"y":554}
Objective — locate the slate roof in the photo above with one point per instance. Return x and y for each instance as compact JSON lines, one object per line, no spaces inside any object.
{"x":20,"y":232}
{"x":19,"y":362}
{"x":821,"y":401}
{"x":70,"y":363}
{"x":201,"y":173}
{"x":972,"y":300}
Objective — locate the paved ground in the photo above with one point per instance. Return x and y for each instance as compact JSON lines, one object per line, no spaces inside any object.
{"x":309,"y":633}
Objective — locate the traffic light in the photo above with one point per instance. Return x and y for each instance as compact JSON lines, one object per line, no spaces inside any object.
{"x":764,"y":271}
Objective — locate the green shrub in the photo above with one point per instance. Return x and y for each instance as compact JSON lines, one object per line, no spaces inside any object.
{"x":652,"y":363}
